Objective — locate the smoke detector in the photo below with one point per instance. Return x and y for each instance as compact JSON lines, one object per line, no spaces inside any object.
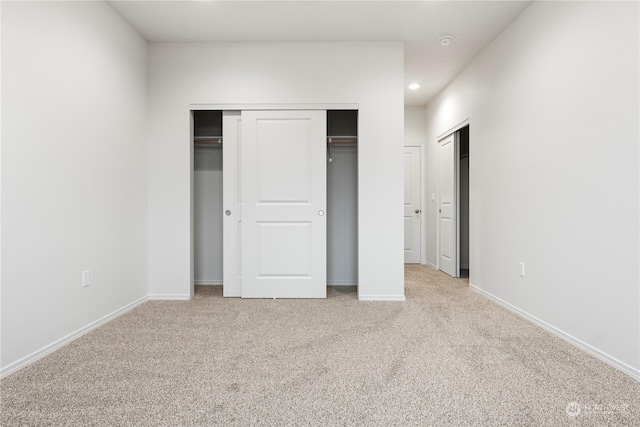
{"x":445,"y":40}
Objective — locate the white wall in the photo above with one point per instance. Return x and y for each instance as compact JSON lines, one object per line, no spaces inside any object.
{"x":415,"y":126}
{"x":553,"y":109}
{"x":73,"y":171}
{"x":369,"y":74}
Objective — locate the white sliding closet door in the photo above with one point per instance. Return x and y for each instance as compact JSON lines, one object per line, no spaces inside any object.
{"x":283,"y":182}
{"x":232,"y":202}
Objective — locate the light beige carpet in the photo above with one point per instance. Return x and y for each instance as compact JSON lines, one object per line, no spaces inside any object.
{"x":447,"y":356}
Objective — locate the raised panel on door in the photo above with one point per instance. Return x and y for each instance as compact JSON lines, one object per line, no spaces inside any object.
{"x":412,"y":204}
{"x":232,"y":204}
{"x":447,"y":207}
{"x":284,"y":203}
{"x":293,"y":239}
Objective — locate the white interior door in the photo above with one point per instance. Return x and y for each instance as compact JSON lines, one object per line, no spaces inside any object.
{"x":447,"y":209}
{"x":232,"y":204}
{"x":412,"y":204}
{"x":284,"y":225}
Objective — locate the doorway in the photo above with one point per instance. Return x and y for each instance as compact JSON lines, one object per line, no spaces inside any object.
{"x":412,"y":204}
{"x":207,"y":204}
{"x":463,"y":197}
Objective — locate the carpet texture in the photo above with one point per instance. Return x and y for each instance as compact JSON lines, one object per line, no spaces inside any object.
{"x":446,"y":356}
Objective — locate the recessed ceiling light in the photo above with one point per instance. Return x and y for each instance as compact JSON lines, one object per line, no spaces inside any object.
{"x":414,"y":86}
{"x":445,"y":40}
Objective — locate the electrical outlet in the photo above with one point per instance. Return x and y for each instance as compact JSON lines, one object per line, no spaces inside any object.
{"x":86,"y":278}
{"x":521,"y":269}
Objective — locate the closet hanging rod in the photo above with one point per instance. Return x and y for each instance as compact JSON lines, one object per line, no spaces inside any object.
{"x":207,"y":140}
{"x":342,"y":139}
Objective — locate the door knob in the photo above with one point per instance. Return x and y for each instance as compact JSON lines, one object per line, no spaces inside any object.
{"x":227,"y":212}
{"x":417,"y":211}
{"x":321,"y":212}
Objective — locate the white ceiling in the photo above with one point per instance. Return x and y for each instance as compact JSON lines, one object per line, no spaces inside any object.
{"x":473,"y":24}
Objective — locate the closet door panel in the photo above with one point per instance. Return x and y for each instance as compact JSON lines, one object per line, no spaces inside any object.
{"x":284,"y":145}
{"x":232,"y":202}
{"x":284,"y":203}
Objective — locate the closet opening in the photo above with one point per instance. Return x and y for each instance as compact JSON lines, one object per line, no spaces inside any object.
{"x":207,"y":197}
{"x":217,"y":222}
{"x":342,"y":197}
{"x":463,"y":175}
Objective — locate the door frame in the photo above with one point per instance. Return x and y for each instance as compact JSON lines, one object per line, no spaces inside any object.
{"x":247,"y":107}
{"x":440,"y":137}
{"x":240,"y":107}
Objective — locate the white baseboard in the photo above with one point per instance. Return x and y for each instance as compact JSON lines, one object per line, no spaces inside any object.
{"x":39,"y":354}
{"x":208,"y":282}
{"x":609,"y":360}
{"x":381,"y":298}
{"x":428,"y":264}
{"x":169,"y":297}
